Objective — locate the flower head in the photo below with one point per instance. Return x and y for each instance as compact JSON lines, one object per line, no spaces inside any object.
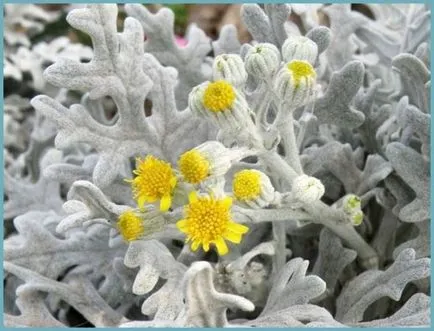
{"x":133,"y":224}
{"x":219,"y":96}
{"x":208,"y":221}
{"x":130,"y":226}
{"x":155,"y":181}
{"x":295,"y":82}
{"x":247,"y":185}
{"x":194,"y":166}
{"x":208,"y":160}
{"x":253,"y":188}
{"x":221,"y":103}
{"x":301,"y":70}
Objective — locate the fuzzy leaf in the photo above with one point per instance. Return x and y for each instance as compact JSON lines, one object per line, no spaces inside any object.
{"x":292,"y":287}
{"x":79,"y":293}
{"x":384,"y":44}
{"x":155,"y":261}
{"x":421,"y":244}
{"x":227,"y":43}
{"x":322,"y":36}
{"x":376,"y":169}
{"x":278,"y":15}
{"x":23,"y":196}
{"x":415,"y":312}
{"x":332,"y":259}
{"x":41,"y":251}
{"x":402,"y":193}
{"x":34,"y":312}
{"x":258,"y":23}
{"x":168,"y":302}
{"x":297,"y":316}
{"x":121,"y":70}
{"x":375,"y":284}
{"x":414,"y":170}
{"x":418,"y":122}
{"x":414,"y":76}
{"x":344,"y":83}
{"x":343,"y":23}
{"x":374,"y":116}
{"x":205,"y":307}
{"x":87,"y":203}
{"x":189,"y":60}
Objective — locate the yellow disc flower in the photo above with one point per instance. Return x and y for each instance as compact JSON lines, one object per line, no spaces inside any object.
{"x":253,"y":188}
{"x":130,"y":226}
{"x":208,"y":160}
{"x":194,"y":166}
{"x":221,"y":103}
{"x":247,"y":185}
{"x":134,"y":224}
{"x":208,"y":221}
{"x":219,"y":96}
{"x":301,"y":70}
{"x":155,"y":181}
{"x":295,"y":83}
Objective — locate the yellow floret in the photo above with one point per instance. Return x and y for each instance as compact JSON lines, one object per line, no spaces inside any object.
{"x":301,"y":69}
{"x":130,"y":226}
{"x":218,"y":96}
{"x":208,"y":221}
{"x":155,"y":181}
{"x":194,"y":167}
{"x":247,"y":185}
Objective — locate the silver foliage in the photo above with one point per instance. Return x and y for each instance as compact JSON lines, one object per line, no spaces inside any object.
{"x":363,"y":132}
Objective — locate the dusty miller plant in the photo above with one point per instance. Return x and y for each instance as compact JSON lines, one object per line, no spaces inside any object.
{"x":282,"y":182}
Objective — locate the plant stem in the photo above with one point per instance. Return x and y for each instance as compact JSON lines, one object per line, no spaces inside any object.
{"x":321,"y":213}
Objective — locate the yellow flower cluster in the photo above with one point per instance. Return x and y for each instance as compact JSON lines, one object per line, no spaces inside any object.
{"x":207,"y":219}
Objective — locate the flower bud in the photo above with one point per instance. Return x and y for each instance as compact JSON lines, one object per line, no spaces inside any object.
{"x":220,"y":102}
{"x":357,"y":218}
{"x":230,"y":67}
{"x":299,"y":48}
{"x":262,"y":60}
{"x":307,"y":189}
{"x":351,"y":204}
{"x":253,"y":188}
{"x":295,"y":83}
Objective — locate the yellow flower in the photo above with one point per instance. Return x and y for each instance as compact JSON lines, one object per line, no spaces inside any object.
{"x":247,"y":185}
{"x":208,"y":221}
{"x":253,"y":188}
{"x":208,"y":161}
{"x":194,"y":166}
{"x":295,"y":83}
{"x":301,"y":70}
{"x":130,"y":226}
{"x":155,"y":180}
{"x":219,"y":96}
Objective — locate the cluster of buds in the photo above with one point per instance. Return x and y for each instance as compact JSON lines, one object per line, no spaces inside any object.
{"x":295,"y":81}
{"x":351,"y":205}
